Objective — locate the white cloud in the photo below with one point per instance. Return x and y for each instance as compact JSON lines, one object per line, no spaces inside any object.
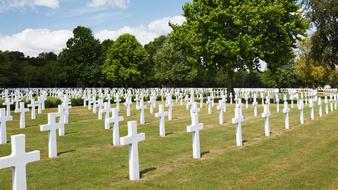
{"x":121,"y":4}
{"x":53,"y":4}
{"x":143,"y":34}
{"x":6,"y":5}
{"x":34,"y":41}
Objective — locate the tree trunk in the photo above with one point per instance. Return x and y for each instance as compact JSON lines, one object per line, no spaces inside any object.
{"x":230,"y":84}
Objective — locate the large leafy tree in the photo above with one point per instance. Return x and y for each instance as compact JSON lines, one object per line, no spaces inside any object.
{"x":82,"y":58}
{"x":234,"y":34}
{"x":125,"y":61}
{"x":171,"y":68}
{"x":324,"y":16}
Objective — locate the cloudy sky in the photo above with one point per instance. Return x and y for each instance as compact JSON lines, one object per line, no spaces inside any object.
{"x":35,"y":26}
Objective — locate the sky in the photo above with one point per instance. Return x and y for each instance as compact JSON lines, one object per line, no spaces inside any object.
{"x":35,"y":26}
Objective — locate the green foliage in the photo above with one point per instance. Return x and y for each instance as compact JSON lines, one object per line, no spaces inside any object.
{"x":82,"y":58}
{"x":125,"y":61}
{"x":324,"y":17}
{"x":77,"y":101}
{"x":52,"y":102}
{"x":230,"y":34}
{"x":283,"y":77}
{"x":171,"y":67}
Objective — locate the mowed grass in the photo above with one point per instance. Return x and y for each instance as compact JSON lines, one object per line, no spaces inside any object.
{"x":304,"y":157}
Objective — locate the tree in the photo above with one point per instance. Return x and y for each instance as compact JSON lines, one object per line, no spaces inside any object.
{"x":124,"y":61}
{"x":324,"y":16}
{"x":82,"y":58}
{"x":230,"y":34}
{"x":170,"y":67}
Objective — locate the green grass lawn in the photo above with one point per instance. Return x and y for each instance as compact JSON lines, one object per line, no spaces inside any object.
{"x":304,"y":157}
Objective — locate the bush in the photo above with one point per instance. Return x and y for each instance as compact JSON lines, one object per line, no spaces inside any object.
{"x":77,"y":101}
{"x":52,"y":102}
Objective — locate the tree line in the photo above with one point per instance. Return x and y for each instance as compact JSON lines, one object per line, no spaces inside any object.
{"x":220,"y":45}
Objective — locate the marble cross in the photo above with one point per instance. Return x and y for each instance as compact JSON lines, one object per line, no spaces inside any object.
{"x":132,"y":140}
{"x":142,"y":107}
{"x":194,"y":128}
{"x":32,"y":105}
{"x":106,"y":110}
{"x":51,"y":127}
{"x":18,"y":160}
{"x":127,"y":104}
{"x":311,"y":105}
{"x":237,"y":120}
{"x":115,"y":119}
{"x":266,"y":114}
{"x":320,"y":109}
{"x":301,"y":111}
{"x":209,"y":102}
{"x":22,"y":111}
{"x":170,"y":109}
{"x":3,"y":128}
{"x":286,"y":111}
{"x":221,"y":111}
{"x":161,"y":114}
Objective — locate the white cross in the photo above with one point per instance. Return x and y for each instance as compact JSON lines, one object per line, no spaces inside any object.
{"x":22,"y":111}
{"x":326,"y":105}
{"x":127,"y":104}
{"x":286,"y":111}
{"x":117,"y":101}
{"x":170,"y":109}
{"x":106,"y":109}
{"x":201,"y":100}
{"x":18,"y":160}
{"x":266,"y":115}
{"x":195,"y":128}
{"x":301,"y":111}
{"x":51,"y":127}
{"x":32,"y":106}
{"x":238,"y":121}
{"x":221,"y":109}
{"x":142,"y":107}
{"x":8,"y":104}
{"x":132,"y":140}
{"x":255,"y":104}
{"x":277,"y":102}
{"x":209,"y":102}
{"x":320,"y":112}
{"x":311,"y":105}
{"x":3,"y":129}
{"x":161,"y":114}
{"x":115,"y":119}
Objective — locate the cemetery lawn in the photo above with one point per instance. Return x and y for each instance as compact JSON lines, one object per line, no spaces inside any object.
{"x":304,"y":157}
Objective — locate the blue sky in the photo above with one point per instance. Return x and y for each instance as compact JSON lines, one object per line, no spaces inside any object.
{"x":31,"y":26}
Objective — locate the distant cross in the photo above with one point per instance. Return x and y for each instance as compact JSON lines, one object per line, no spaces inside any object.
{"x":161,"y":114}
{"x":3,"y":129}
{"x":221,"y":111}
{"x":301,"y":111}
{"x":266,"y":114}
{"x":22,"y":111}
{"x":170,"y":109}
{"x":255,"y":104}
{"x":51,"y":127}
{"x":106,"y":109}
{"x":201,"y":100}
{"x":117,"y":100}
{"x":142,"y":107}
{"x":33,"y":105}
{"x":209,"y":102}
{"x":8,"y":104}
{"x":132,"y":140}
{"x":237,"y":120}
{"x":286,"y":111}
{"x":127,"y":104}
{"x":18,"y":160}
{"x":195,"y":128}
{"x":311,"y":105}
{"x":320,"y":112}
{"x":115,"y":119}
{"x":326,"y":105}
{"x":277,"y":103}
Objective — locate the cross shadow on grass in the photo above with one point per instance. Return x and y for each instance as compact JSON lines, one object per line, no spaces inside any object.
{"x":143,"y":172}
{"x":205,"y":153}
{"x":170,"y":133}
{"x":65,"y":152}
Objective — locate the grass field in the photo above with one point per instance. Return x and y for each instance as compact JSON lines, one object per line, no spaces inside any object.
{"x":304,"y":157}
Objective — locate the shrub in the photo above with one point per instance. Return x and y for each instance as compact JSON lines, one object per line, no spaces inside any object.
{"x":77,"y":101}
